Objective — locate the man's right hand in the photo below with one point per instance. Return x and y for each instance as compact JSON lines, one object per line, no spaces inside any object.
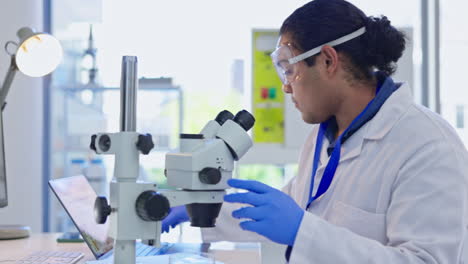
{"x":177,"y":215}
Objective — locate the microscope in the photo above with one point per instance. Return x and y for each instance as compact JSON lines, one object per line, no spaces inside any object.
{"x":198,"y":172}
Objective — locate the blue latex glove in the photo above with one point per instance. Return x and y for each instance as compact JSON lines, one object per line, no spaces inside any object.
{"x":274,"y":214}
{"x":176,"y":216}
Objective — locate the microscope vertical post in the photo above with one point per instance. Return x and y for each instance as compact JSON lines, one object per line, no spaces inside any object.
{"x":128,"y":90}
{"x":124,"y":250}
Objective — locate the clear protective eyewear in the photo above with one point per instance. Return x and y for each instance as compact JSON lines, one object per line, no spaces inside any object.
{"x":286,"y":63}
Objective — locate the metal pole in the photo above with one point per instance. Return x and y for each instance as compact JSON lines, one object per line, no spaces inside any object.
{"x":128,"y":90}
{"x":46,"y":144}
{"x":425,"y":53}
{"x":8,"y":80}
{"x":437,"y":55}
{"x":430,"y":30}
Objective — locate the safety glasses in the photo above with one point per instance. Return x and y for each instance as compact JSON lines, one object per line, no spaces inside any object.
{"x":286,"y":63}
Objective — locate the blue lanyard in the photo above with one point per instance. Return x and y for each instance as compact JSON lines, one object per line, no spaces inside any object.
{"x":334,"y":160}
{"x":384,"y":91}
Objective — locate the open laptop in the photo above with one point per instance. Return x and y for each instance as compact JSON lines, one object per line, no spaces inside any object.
{"x":77,"y":198}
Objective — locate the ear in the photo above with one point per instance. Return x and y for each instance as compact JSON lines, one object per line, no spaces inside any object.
{"x":330,"y":59}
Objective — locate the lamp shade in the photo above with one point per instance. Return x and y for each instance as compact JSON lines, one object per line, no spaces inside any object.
{"x":38,"y":54}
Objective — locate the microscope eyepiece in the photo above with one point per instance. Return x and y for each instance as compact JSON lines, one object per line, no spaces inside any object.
{"x":223,"y":116}
{"x":244,"y":119}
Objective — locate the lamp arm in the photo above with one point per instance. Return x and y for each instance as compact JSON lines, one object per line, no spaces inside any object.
{"x":8,"y":80}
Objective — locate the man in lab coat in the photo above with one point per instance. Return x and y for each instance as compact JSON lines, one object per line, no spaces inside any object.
{"x":381,"y":179}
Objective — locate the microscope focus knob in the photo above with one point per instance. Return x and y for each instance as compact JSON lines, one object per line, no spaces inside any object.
{"x":101,"y":209}
{"x":152,"y":206}
{"x":93,"y":143}
{"x":145,"y":143}
{"x":210,"y":176}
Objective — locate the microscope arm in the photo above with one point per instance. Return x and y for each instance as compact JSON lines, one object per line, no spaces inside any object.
{"x":182,"y":197}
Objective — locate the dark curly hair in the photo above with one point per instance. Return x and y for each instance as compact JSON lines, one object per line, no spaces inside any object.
{"x":322,"y":21}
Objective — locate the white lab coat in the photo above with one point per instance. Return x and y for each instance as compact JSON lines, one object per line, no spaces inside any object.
{"x":399,"y":195}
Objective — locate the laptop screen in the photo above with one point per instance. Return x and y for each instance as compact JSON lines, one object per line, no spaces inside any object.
{"x":77,"y":198}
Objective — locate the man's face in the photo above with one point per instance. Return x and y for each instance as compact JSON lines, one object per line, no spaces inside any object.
{"x":311,"y":91}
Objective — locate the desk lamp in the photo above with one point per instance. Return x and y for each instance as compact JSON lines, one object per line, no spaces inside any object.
{"x":36,"y":55}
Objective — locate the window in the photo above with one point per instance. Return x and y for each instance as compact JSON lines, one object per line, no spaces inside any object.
{"x":453,"y":46}
{"x":203,"y":47}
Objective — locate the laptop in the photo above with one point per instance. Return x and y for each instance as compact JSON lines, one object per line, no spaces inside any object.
{"x":77,"y":198}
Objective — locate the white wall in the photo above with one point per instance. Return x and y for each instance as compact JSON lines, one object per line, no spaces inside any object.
{"x":22,"y":123}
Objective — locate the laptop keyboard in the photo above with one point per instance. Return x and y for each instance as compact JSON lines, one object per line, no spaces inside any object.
{"x":51,"y":257}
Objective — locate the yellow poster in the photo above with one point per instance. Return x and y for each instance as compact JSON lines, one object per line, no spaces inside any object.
{"x":267,"y":96}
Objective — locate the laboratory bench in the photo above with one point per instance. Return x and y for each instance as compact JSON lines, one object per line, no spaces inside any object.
{"x":12,"y":250}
